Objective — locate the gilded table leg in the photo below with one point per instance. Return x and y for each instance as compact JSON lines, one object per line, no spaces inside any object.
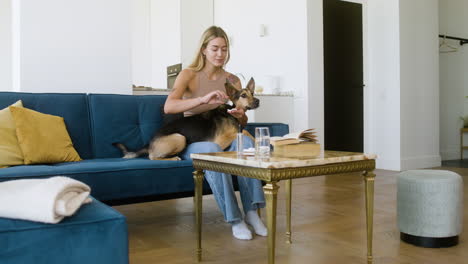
{"x":198,"y":179}
{"x":288,"y":210}
{"x":271,"y":192}
{"x":369,"y":178}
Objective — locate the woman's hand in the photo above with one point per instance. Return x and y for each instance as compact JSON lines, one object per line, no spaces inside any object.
{"x":237,"y":113}
{"x":215,"y":97}
{"x":240,"y":115}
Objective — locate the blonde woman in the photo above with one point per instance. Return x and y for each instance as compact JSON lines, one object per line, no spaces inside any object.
{"x":200,"y":88}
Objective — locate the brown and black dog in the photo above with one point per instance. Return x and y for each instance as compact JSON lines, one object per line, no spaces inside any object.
{"x":216,"y":125}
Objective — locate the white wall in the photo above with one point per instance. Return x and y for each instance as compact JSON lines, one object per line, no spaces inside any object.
{"x":72,"y":46}
{"x":419,"y":89}
{"x":165,"y":39}
{"x":384,"y":81}
{"x":196,"y":17}
{"x":251,"y":54}
{"x":176,"y":27}
{"x":281,"y":52}
{"x":141,"y":42}
{"x":403,"y":83}
{"x":315,"y":91}
{"x":5,"y":46}
{"x":453,"y":21}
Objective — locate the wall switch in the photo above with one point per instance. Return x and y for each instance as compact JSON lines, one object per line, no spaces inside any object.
{"x":262,"y":30}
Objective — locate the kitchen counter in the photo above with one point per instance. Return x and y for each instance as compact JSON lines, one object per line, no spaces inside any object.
{"x":267,"y":112}
{"x":157,"y":91}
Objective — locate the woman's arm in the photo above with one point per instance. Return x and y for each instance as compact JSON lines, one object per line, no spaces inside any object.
{"x":175,"y":104}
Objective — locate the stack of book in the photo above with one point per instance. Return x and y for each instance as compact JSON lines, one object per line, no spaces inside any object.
{"x":298,"y":144}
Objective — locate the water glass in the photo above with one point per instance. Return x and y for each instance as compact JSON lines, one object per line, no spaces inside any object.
{"x":240,"y":145}
{"x":262,"y":141}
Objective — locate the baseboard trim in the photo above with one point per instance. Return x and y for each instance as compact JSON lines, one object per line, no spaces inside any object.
{"x":451,"y":154}
{"x":421,"y":162}
{"x":387,"y":164}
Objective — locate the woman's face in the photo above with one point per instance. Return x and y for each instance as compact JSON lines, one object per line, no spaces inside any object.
{"x":216,"y":52}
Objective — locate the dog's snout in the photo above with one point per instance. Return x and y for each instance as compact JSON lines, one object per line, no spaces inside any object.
{"x":256,"y":103}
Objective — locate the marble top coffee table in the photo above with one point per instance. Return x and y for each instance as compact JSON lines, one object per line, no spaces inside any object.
{"x":277,"y":168}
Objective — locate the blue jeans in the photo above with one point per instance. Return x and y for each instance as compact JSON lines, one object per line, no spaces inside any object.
{"x":251,"y":191}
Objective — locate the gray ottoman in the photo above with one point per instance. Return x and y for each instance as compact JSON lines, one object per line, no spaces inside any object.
{"x":430,"y":209}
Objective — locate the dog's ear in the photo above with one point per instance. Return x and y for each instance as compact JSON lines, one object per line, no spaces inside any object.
{"x":251,"y":85}
{"x":230,"y":89}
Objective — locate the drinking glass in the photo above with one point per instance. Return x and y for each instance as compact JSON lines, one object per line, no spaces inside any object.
{"x":240,"y":145}
{"x":262,"y":141}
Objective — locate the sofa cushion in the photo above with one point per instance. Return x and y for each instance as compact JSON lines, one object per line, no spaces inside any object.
{"x":128,"y":119}
{"x":10,"y":151}
{"x":276,"y":129}
{"x":42,"y":138}
{"x":72,"y":107}
{"x":115,"y":178}
{"x":96,"y":233}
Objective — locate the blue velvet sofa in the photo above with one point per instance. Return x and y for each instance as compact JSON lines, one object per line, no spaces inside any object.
{"x":94,"y":122}
{"x":96,"y":233}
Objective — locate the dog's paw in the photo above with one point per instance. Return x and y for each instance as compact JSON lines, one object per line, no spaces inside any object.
{"x":130,"y":155}
{"x":173,"y":158}
{"x":151,"y":157}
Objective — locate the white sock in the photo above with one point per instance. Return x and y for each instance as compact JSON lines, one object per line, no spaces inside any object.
{"x":252,"y":219}
{"x":241,"y":231}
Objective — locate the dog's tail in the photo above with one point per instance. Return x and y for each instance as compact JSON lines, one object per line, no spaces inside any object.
{"x":130,"y":154}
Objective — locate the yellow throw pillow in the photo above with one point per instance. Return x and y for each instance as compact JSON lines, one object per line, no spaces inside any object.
{"x":42,"y":138}
{"x":10,"y":151}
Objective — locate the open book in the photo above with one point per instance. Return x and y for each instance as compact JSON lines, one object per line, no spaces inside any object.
{"x":307,"y":135}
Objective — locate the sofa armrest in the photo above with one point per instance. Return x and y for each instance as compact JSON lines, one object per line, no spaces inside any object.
{"x":276,"y":129}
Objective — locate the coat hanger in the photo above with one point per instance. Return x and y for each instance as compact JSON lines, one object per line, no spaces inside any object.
{"x":445,"y":47}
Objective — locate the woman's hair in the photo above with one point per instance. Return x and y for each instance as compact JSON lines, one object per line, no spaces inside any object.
{"x":209,"y":34}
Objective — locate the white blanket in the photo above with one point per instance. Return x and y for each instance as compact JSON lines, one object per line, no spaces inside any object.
{"x":42,"y":200}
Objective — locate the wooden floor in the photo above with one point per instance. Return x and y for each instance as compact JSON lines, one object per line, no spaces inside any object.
{"x":328,"y":222}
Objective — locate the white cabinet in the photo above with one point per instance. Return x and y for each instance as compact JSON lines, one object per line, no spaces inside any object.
{"x":273,"y":108}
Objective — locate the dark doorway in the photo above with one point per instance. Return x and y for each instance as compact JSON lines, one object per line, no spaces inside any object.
{"x":343,"y":80}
